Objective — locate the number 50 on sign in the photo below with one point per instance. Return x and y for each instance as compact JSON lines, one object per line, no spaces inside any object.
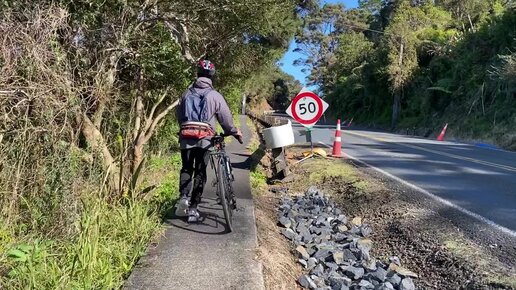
{"x":307,"y":108}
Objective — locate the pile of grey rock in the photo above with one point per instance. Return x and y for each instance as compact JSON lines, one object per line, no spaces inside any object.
{"x":335,"y":250}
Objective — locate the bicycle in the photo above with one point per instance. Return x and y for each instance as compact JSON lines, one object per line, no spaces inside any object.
{"x":224,"y":178}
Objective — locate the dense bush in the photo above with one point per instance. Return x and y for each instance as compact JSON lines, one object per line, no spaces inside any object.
{"x":404,"y":64}
{"x":88,"y":147}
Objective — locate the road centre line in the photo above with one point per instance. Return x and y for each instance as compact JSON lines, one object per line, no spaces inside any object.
{"x":431,"y":195}
{"x":487,"y":163}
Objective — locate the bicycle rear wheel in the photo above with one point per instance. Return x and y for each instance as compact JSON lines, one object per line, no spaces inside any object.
{"x":224,"y":195}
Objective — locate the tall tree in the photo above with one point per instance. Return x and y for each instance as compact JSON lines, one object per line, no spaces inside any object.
{"x":400,"y":42}
{"x":468,"y":13}
{"x":319,"y":40}
{"x":129,"y":61}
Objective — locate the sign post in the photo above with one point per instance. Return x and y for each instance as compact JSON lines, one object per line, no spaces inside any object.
{"x":309,"y":137}
{"x":307,"y":108}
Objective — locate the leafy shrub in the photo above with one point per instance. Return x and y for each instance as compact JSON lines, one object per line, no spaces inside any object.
{"x":109,"y":240}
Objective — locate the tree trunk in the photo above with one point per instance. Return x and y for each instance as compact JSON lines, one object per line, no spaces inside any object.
{"x":400,"y":59}
{"x":136,"y":155}
{"x":144,"y":133}
{"x":96,"y":141}
{"x":138,"y":118}
{"x":471,"y":24}
{"x":396,"y":104}
{"x":396,"y":108}
{"x":97,"y":117}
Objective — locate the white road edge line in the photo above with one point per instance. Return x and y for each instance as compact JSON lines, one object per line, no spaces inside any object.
{"x":431,"y":195}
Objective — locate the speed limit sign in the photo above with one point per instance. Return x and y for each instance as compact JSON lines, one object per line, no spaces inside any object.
{"x":307,"y":108}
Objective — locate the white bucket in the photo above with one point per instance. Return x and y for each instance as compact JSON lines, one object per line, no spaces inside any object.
{"x":279,"y":136}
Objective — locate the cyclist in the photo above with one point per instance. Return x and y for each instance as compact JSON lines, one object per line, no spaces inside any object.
{"x":198,"y":108}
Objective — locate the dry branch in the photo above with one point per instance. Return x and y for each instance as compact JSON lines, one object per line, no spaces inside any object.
{"x":179,"y":32}
{"x":157,"y":119}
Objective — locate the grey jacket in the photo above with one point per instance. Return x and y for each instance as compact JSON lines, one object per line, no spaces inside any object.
{"x":217,"y":109}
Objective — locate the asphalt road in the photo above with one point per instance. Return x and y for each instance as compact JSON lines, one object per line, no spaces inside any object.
{"x":203,"y":255}
{"x":478,"y":181}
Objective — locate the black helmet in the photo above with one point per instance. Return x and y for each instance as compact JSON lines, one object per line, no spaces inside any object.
{"x":205,"y":68}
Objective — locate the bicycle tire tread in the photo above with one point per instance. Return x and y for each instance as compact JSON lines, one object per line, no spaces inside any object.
{"x":226,"y":207}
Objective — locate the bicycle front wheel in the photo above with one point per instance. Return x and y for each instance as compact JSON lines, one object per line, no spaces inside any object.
{"x":225,"y":198}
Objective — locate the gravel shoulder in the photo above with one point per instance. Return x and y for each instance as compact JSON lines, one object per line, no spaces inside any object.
{"x":447,"y":250}
{"x":429,"y":238}
{"x":280,"y":269}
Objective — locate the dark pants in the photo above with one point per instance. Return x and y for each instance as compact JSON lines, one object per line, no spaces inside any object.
{"x":194,"y":161}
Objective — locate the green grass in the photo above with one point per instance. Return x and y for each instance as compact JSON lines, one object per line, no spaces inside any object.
{"x":258,"y":178}
{"x":165,"y":169}
{"x":257,"y":175}
{"x":330,"y":174}
{"x":461,"y":248}
{"x":108,"y":242}
{"x":107,"y":239}
{"x":501,"y":279}
{"x":253,"y":145}
{"x":236,"y":120}
{"x":249,"y":123}
{"x":320,"y":169}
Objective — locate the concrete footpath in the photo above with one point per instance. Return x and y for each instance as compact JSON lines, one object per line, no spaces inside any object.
{"x":204,"y":256}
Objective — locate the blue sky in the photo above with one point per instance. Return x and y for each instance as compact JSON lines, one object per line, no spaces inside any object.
{"x":288,"y":59}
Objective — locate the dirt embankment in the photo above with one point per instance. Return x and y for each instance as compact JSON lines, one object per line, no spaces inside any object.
{"x":425,"y":241}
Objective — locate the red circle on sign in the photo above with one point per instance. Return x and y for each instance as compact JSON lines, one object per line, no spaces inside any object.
{"x":307,"y":95}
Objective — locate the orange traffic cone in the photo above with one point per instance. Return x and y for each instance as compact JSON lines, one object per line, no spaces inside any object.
{"x":337,"y":144}
{"x":441,"y":136}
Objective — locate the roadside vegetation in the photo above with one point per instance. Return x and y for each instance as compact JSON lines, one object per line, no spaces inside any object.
{"x":258,"y":175}
{"x":417,"y":65}
{"x":88,"y":141}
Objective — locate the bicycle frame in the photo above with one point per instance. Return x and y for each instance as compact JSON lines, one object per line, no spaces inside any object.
{"x":220,"y":154}
{"x":224,"y":177}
